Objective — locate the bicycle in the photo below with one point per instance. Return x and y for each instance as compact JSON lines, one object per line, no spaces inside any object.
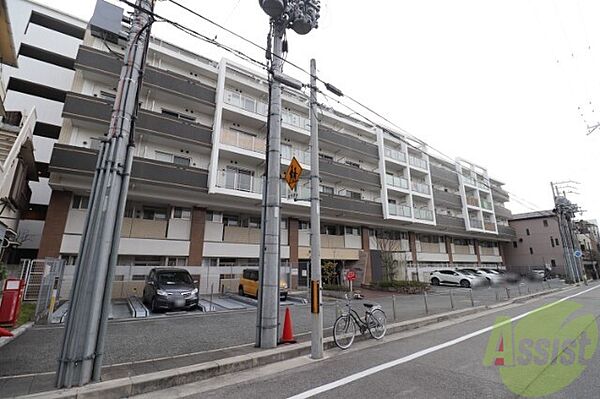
{"x":344,"y":328}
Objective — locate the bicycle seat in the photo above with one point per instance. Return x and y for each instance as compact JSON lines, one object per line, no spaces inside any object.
{"x":368,"y":305}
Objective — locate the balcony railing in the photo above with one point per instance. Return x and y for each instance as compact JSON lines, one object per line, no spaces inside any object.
{"x":399,"y":210}
{"x":473,"y":201}
{"x":489,"y":226}
{"x":240,"y":182}
{"x":483,"y":185}
{"x":395,"y":154}
{"x":418,"y":162}
{"x":470,"y":181}
{"x":255,"y":106}
{"x":302,"y":156}
{"x":485,"y":204}
{"x":243,"y":140}
{"x":423,"y":214}
{"x":396,"y":181}
{"x":420,"y":187}
{"x":476,"y":224}
{"x":431,"y":247}
{"x":462,"y":250}
{"x":302,"y":192}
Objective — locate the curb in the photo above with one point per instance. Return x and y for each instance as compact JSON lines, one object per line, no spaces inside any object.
{"x":159,"y":380}
{"x":16,"y":332}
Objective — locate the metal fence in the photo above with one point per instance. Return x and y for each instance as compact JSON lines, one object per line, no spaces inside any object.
{"x":49,"y":289}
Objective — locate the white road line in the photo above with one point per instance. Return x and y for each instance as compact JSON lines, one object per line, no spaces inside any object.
{"x":421,"y":353}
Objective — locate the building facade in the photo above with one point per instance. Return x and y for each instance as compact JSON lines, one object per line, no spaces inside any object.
{"x":196,"y":184}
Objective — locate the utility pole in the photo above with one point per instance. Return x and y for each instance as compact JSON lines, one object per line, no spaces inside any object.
{"x":315,"y":223}
{"x":83,"y":344}
{"x":564,"y":211}
{"x":302,"y":17}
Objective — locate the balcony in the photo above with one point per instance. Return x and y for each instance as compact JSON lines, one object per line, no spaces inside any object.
{"x":423,"y":214}
{"x":95,"y":60}
{"x":469,"y":180}
{"x":346,"y":172}
{"x":339,"y":203}
{"x":473,"y":201}
{"x":243,"y":140}
{"x":444,"y":176}
{"x":502,"y":212}
{"x":450,"y":222}
{"x":303,"y":156}
{"x":142,"y":228}
{"x":489,"y":226}
{"x":500,"y":194}
{"x":417,"y":162}
{"x":431,"y":247}
{"x":489,"y":251}
{"x":396,"y":155}
{"x":483,"y":185}
{"x":244,"y":183}
{"x":396,"y":181}
{"x":447,"y":199}
{"x":476,"y":224}
{"x":348,"y":143}
{"x":419,"y":187}
{"x":507,"y":232}
{"x":462,"y":250}
{"x":92,"y":109}
{"x":485,"y":204}
{"x":302,"y":192}
{"x":77,"y":160}
{"x":399,"y":210}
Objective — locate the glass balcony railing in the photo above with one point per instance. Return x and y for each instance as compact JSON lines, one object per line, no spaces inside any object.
{"x":423,"y":214}
{"x":489,"y":226}
{"x":485,"y":204}
{"x":395,"y":154}
{"x":473,"y":201}
{"x":470,"y":181}
{"x":397,"y":181}
{"x":244,"y":182}
{"x":243,"y":140}
{"x":483,"y":185}
{"x":417,"y":162}
{"x":303,"y":156}
{"x":476,"y":224}
{"x":399,"y":210}
{"x":255,"y":106}
{"x":422,"y":188}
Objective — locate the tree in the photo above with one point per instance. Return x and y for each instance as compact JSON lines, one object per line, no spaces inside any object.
{"x":392,"y":260}
{"x":329,"y":273}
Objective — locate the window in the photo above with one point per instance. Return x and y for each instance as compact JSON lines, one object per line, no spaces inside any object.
{"x":515,"y":245}
{"x":552,"y":242}
{"x":178,"y":115}
{"x":531,"y":250}
{"x":284,"y":224}
{"x":545,"y":223}
{"x":182,"y":213}
{"x":354,"y":194}
{"x":353,"y":231}
{"x":216,"y":217}
{"x":304,"y":225}
{"x":552,"y":262}
{"x":108,"y":96}
{"x":326,"y":189}
{"x":229,"y":220}
{"x":286,"y":151}
{"x":183,"y":161}
{"x":331,"y":230}
{"x":325,"y":156}
{"x":80,"y":202}
{"x":154,"y":213}
{"x":147,"y":261}
{"x":353,"y":164}
{"x":176,"y":261}
{"x":527,"y":231}
{"x":170,"y":158}
{"x":556,"y":241}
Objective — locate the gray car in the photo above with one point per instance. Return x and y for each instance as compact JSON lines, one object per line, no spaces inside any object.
{"x":169,"y":289}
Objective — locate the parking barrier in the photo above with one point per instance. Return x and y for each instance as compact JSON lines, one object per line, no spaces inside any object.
{"x":451,"y":299}
{"x":471,"y":296}
{"x":394,"y":307}
{"x":425,"y":299}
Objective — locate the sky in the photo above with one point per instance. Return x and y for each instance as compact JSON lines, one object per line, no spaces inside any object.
{"x":510,"y":85}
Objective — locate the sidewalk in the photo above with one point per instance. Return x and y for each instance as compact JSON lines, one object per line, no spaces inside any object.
{"x":28,"y":363}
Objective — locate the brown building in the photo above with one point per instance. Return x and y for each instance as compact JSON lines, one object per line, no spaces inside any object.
{"x":537,"y":244}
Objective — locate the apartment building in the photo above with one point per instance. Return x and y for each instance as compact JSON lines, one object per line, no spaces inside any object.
{"x":537,"y":244}
{"x":196,"y":184}
{"x":45,"y":44}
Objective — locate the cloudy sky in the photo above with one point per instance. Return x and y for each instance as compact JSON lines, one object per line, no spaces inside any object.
{"x":501,"y":83}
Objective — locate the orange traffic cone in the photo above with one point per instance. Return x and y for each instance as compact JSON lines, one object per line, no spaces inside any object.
{"x":288,"y":334}
{"x":5,"y":333}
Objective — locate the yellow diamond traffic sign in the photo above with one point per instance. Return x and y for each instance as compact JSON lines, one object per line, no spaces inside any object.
{"x":293,"y":173}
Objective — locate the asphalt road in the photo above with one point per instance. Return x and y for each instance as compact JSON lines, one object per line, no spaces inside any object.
{"x":433,"y":362}
{"x":36,"y":351}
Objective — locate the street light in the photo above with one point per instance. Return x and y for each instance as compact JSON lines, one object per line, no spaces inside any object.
{"x":302,"y":17}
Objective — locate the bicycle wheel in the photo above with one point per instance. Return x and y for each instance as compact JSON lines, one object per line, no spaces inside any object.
{"x":344,"y":330}
{"x":376,"y":323}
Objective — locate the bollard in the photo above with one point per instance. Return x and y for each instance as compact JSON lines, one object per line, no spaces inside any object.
{"x":528,"y":291}
{"x":394,"y":307}
{"x":497,"y":295}
{"x":212,"y":286}
{"x":519,"y":289}
{"x":338,"y":310}
{"x":451,"y":299}
{"x":425,"y":299}
{"x":471,"y":295}
{"x":508,"y":293}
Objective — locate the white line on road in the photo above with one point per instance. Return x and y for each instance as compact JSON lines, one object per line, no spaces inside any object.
{"x":421,"y":353}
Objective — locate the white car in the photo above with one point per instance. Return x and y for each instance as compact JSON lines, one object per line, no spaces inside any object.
{"x":491,"y":277}
{"x":453,"y":277}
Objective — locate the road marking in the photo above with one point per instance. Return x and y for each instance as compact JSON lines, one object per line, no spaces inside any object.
{"x":421,"y":353}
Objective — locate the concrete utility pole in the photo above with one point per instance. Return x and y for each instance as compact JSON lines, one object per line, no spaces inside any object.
{"x":564,"y":211}
{"x":83,"y":344}
{"x":301,"y":16}
{"x":315,"y":223}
